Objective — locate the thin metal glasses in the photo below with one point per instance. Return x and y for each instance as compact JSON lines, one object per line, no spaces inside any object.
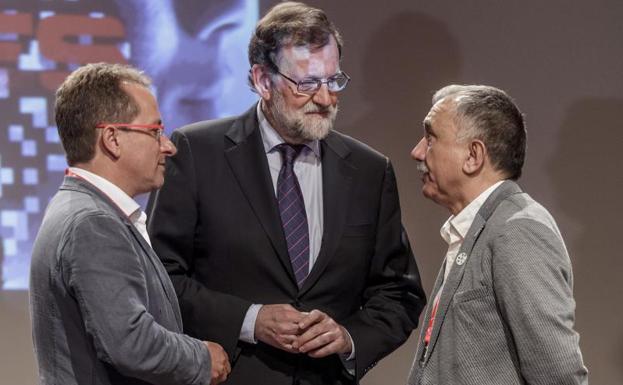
{"x":310,"y":86}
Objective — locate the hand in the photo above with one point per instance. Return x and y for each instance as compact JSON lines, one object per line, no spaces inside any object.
{"x":220,"y":362}
{"x":277,"y":325}
{"x":322,"y":336}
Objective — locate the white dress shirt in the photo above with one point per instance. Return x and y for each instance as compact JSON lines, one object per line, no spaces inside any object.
{"x":308,"y":171}
{"x":456,"y":227}
{"x":125,"y":203}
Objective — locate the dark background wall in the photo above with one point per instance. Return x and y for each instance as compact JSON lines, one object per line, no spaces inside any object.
{"x":560,"y":60}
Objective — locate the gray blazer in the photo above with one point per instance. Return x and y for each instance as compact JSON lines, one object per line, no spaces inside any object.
{"x":506,"y":312}
{"x":103,"y":308}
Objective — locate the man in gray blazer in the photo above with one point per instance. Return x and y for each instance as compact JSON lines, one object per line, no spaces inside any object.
{"x":502,"y":308}
{"x":103,"y":308}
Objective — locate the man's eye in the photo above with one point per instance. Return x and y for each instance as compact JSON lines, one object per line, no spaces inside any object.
{"x":308,"y":84}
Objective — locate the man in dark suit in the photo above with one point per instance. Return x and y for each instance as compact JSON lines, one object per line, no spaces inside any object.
{"x":283,"y":237}
{"x":502,"y":308}
{"x":103,"y":308}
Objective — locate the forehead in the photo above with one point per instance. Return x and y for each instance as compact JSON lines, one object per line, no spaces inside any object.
{"x":144,"y":99}
{"x":308,"y":60}
{"x":438,"y":109}
{"x":440,"y":115}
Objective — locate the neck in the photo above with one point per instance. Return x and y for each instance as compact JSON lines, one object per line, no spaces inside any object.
{"x":108,"y":172}
{"x":471,"y":191}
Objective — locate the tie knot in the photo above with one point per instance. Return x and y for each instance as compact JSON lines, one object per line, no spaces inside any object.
{"x":289,"y":152}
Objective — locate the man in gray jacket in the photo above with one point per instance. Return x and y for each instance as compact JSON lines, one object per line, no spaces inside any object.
{"x":502,"y":308}
{"x":103,"y":308}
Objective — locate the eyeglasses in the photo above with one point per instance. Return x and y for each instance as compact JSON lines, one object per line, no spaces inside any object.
{"x":310,"y":86}
{"x":157,"y":129}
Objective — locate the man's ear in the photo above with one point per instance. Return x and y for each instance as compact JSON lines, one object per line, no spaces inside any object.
{"x":261,"y":81}
{"x":109,"y":142}
{"x":476,"y":157}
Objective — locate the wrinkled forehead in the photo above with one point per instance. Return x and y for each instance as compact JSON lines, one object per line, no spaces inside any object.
{"x":441,"y":107}
{"x":309,"y":60}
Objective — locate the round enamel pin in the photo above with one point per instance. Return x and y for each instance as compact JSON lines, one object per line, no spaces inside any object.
{"x":460,"y":259}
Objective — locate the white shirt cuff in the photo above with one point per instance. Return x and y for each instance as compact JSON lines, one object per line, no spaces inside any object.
{"x":349,"y":361}
{"x":247,"y":333}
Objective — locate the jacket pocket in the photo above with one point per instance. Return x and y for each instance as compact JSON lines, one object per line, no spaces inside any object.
{"x":472,"y":294}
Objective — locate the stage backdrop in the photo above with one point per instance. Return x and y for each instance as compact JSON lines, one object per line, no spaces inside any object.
{"x":560,"y":60}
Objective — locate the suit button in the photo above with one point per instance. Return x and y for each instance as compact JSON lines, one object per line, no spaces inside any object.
{"x":297,"y":304}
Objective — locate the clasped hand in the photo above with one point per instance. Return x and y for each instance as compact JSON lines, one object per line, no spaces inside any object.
{"x":314,"y":333}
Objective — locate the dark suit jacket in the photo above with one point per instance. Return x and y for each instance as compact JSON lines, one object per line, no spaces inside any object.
{"x":215,"y":224}
{"x":103,"y":309}
{"x":506,"y":311}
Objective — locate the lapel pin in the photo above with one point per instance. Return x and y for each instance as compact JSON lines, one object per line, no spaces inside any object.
{"x":460,"y":259}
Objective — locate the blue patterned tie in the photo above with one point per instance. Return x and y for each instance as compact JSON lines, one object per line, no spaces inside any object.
{"x":292,"y":212}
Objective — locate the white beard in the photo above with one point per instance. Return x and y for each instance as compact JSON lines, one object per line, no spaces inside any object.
{"x":300,"y":126}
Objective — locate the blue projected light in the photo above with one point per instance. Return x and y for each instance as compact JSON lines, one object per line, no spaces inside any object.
{"x":4,"y":83}
{"x":29,"y":148}
{"x":30,"y":176}
{"x":198,"y":73}
{"x":31,"y":204}
{"x":37,"y":107}
{"x":56,"y":162}
{"x":6,"y":176}
{"x":16,"y":133}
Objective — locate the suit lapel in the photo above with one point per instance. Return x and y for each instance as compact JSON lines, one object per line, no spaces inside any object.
{"x":456,"y":273}
{"x":163,"y":277}
{"x":244,"y":154}
{"x":84,"y":186}
{"x":337,"y":175}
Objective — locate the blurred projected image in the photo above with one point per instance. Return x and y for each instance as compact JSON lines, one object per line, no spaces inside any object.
{"x":194,"y":51}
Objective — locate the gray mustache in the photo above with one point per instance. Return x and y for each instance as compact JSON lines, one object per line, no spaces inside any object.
{"x":311,"y":107}
{"x":421,"y":166}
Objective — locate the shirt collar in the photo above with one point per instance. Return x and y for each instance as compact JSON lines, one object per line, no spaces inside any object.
{"x":456,"y":227}
{"x":271,"y":138}
{"x":127,"y":205}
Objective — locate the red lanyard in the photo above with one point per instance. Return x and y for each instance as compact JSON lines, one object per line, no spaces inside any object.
{"x":431,"y":321}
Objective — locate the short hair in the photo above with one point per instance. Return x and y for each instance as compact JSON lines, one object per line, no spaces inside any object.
{"x":289,"y":23}
{"x":90,"y":95}
{"x":490,"y":115}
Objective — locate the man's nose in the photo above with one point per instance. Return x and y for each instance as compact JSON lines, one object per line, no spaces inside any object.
{"x":324,"y":97}
{"x":419,"y":151}
{"x":166,"y":146}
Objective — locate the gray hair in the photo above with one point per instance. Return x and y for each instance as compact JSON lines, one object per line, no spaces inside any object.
{"x":488,"y":114}
{"x":90,"y":95}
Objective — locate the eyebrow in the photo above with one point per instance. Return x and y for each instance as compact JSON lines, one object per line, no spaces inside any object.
{"x":427,"y":126}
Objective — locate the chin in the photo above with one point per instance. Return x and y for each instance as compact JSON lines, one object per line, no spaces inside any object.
{"x":428,"y":192}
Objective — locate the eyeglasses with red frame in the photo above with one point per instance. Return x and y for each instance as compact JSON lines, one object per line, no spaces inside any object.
{"x":157,"y":129}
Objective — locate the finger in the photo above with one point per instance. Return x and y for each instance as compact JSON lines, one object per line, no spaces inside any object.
{"x":286,"y":328}
{"x":286,"y":341}
{"x":313,"y":332}
{"x":313,"y":317}
{"x":317,"y":342}
{"x":331,"y":348}
{"x":227,"y":368}
{"x":222,"y":377}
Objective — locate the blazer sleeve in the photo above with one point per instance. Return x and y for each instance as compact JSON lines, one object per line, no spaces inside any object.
{"x":393,"y":298}
{"x":532,"y":281}
{"x":105,"y":274}
{"x":173,"y":214}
